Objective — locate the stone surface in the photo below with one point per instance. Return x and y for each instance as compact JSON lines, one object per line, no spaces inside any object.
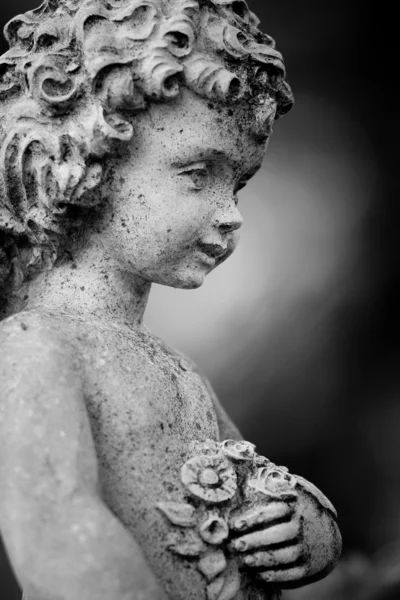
{"x":127,"y":129}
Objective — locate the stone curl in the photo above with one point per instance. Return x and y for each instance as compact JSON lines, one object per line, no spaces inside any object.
{"x":98,"y":62}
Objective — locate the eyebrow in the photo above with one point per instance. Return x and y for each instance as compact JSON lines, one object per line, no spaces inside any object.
{"x":198,"y":154}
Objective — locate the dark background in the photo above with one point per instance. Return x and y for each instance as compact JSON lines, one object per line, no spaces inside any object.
{"x":314,"y":380}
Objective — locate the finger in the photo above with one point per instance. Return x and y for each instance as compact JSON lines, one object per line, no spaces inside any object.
{"x":294,"y":574}
{"x":266,"y":514}
{"x":274,"y":558}
{"x":277,"y":534}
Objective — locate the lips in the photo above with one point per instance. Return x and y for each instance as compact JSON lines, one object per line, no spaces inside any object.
{"x":213,"y":250}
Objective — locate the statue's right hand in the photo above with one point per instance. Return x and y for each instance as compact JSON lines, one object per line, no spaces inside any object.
{"x":270,"y":541}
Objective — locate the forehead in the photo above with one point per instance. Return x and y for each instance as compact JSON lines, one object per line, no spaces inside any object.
{"x":193,"y":128}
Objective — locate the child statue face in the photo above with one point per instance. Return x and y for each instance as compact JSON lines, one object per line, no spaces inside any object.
{"x":195,"y":82}
{"x":172,"y":211}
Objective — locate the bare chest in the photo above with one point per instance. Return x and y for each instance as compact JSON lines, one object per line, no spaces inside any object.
{"x":146,"y":405}
{"x":142,"y":396}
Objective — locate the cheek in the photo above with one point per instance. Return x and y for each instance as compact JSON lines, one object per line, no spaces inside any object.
{"x":182,"y":226}
{"x":163,"y":216}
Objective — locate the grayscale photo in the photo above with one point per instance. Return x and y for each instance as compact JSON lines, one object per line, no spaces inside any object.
{"x":170,"y":430}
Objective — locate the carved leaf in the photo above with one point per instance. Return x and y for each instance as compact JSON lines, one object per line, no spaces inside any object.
{"x":189,"y":544}
{"x":212,"y":564}
{"x":232,"y":583}
{"x":215,"y":588}
{"x":178,"y":514}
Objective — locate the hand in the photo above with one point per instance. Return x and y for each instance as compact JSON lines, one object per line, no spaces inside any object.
{"x":275,"y":549}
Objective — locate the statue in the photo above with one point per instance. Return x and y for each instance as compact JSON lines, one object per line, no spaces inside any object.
{"x":127,"y":129}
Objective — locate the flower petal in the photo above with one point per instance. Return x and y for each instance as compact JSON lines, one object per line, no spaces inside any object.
{"x":212,"y":564}
{"x":225,"y":484}
{"x":238,"y":450}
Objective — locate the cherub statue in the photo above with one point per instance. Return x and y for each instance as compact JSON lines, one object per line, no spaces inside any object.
{"x":127,"y":129}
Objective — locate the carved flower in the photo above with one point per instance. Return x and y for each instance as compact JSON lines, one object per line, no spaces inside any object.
{"x":214,"y":529}
{"x":238,"y":450}
{"x":210,"y":478}
{"x":275,"y":481}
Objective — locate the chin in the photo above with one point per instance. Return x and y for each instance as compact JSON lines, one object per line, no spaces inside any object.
{"x":187,"y":278}
{"x":186,"y":281}
{"x":190,"y":285}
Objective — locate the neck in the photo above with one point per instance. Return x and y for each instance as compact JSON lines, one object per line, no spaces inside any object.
{"x":92,"y":288}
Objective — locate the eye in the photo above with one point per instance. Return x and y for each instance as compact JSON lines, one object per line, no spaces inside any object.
{"x":199,"y":176}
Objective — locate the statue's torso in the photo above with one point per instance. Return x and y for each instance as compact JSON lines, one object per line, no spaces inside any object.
{"x":146,"y":404}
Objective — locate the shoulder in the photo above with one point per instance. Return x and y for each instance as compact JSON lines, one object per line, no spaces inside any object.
{"x":41,"y":385}
{"x":44,"y":426}
{"x":31,"y":342}
{"x":27,"y":328}
{"x":25,"y":321}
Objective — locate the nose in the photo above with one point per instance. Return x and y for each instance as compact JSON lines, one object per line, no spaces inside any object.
{"x":229,"y":220}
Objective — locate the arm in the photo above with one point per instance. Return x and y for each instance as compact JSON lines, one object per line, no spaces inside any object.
{"x":62,"y":540}
{"x":309,"y":533}
{"x":320,"y":539}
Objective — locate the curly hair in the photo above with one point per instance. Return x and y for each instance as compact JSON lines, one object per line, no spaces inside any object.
{"x":76,"y":70}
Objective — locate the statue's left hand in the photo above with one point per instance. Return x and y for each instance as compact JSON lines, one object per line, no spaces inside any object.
{"x":272,"y":542}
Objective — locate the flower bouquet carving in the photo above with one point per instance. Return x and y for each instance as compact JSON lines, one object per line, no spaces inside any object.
{"x":221,"y":481}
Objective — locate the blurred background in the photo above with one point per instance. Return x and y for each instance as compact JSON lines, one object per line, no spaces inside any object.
{"x":299,"y":331}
